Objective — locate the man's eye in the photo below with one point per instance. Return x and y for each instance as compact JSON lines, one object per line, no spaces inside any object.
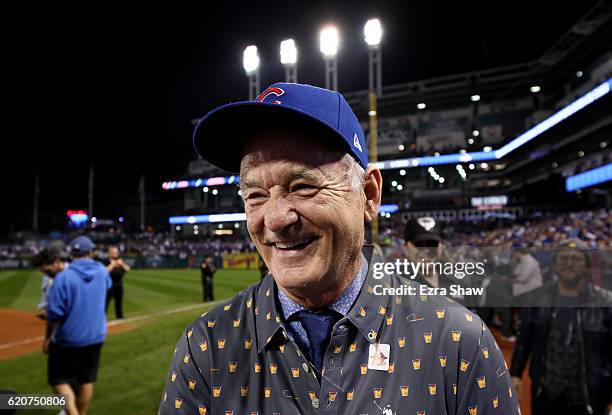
{"x":252,"y":197}
{"x":303,"y":188}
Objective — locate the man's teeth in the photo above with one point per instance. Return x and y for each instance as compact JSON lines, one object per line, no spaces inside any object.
{"x":289,"y":245}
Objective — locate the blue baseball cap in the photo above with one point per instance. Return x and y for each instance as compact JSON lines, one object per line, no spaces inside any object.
{"x":81,"y":244}
{"x":220,"y":136}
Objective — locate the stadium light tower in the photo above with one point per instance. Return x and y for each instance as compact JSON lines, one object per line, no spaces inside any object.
{"x":372,"y":32}
{"x":90,"y":192}
{"x":250,"y":62}
{"x":288,"y":56}
{"x":36,"y":197}
{"x":329,"y":41}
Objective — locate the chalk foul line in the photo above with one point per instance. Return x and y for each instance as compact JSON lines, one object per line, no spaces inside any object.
{"x":123,"y":321}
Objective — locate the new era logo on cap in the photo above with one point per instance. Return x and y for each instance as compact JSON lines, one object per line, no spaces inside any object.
{"x":356,"y":143}
{"x":240,"y":120}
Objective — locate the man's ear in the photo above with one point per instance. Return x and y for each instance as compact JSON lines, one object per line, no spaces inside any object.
{"x":372,"y":190}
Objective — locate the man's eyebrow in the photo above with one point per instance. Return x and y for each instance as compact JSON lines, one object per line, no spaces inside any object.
{"x":304,"y":174}
{"x":292,"y":176}
{"x":245,"y":183}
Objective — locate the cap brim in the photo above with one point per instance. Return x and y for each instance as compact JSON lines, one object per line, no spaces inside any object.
{"x":221,"y":135}
{"x":426,"y":237}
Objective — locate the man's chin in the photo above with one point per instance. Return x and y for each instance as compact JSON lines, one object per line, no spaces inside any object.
{"x":297,"y":279}
{"x":572,"y":281}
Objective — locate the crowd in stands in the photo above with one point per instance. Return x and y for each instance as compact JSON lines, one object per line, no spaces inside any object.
{"x":547,"y":230}
{"x":160,"y":244}
{"x":593,"y":227}
{"x":153,"y":246}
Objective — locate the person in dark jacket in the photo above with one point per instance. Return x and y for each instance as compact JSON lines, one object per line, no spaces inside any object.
{"x":423,"y":241}
{"x":207,"y":268}
{"x":117,"y":268}
{"x":569,"y":340}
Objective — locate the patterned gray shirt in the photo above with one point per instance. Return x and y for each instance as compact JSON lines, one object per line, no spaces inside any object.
{"x":401,"y":354}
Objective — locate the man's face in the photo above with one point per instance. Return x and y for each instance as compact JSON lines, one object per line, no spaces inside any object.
{"x":113,"y":253}
{"x":302,"y":215}
{"x":429,"y":251}
{"x":570,"y":266}
{"x":52,"y":269}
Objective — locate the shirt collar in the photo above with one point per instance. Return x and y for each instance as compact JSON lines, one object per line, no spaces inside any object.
{"x":370,"y":311}
{"x":367,"y":313}
{"x":267,"y":316}
{"x":340,"y":305}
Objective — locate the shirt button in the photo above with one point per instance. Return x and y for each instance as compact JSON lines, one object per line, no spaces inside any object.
{"x":315,"y":403}
{"x":306,"y":367}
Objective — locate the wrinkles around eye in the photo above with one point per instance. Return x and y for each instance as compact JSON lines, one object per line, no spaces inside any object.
{"x":256,"y":197}
{"x":304,"y":190}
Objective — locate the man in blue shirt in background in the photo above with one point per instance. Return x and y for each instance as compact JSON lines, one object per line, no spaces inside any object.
{"x":76,"y":325}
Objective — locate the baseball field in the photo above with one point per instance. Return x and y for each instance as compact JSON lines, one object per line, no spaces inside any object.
{"x":158,"y":305}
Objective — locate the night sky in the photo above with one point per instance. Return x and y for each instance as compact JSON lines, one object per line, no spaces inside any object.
{"x":118,"y":88}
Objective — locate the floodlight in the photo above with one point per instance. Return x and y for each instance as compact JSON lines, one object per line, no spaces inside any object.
{"x":372,"y":32}
{"x":288,"y":52}
{"x":250,"y":59}
{"x":329,"y":41}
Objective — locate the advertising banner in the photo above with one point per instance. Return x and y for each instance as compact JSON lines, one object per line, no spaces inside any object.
{"x":248,"y":260}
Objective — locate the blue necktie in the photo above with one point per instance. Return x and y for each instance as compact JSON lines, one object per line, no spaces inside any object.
{"x":318,"y":328}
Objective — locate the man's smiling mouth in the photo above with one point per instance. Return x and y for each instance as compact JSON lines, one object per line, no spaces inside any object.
{"x":293,"y":244}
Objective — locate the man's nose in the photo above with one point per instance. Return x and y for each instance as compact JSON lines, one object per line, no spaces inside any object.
{"x":279,"y":214}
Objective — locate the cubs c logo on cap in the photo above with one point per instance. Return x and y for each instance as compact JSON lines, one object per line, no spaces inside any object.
{"x":273,"y":90}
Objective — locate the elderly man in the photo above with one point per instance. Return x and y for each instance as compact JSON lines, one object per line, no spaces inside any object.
{"x":313,"y":336}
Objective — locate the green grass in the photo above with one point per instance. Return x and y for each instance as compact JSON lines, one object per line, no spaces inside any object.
{"x":146,"y":291}
{"x":134,"y":363}
{"x":20,"y":289}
